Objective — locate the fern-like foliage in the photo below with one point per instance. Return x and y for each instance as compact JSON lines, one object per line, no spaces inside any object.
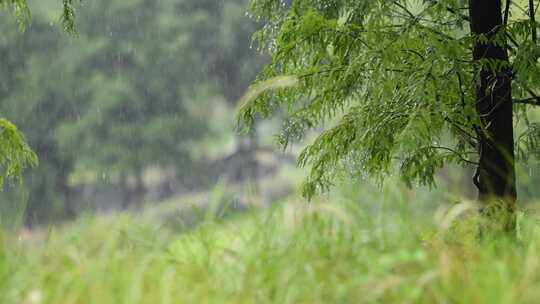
{"x":20,"y":10}
{"x":68,"y":16}
{"x":390,"y":81}
{"x":15,"y":154}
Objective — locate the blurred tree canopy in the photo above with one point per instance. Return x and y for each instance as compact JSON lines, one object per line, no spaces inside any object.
{"x":406,"y":85}
{"x":124,"y":94}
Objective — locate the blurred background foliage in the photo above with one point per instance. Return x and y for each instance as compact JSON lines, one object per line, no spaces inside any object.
{"x":140,"y":86}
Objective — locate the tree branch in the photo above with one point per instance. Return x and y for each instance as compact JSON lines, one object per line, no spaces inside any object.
{"x":506,"y":12}
{"x":533,"y":101}
{"x":456,"y":153}
{"x":533,"y":20}
{"x":453,"y":11}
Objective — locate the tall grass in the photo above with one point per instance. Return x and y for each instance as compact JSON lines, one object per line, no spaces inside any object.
{"x":339,"y":252}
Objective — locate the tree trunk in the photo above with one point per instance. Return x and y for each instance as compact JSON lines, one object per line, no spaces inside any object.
{"x":495,"y":177}
{"x":124,"y":189}
{"x":140,"y":188}
{"x":249,"y":145}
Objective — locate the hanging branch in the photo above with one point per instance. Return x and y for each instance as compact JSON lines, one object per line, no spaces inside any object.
{"x":453,"y":11}
{"x":533,"y":101}
{"x":506,"y":12}
{"x":533,"y":20}
{"x":456,"y":153}
{"x":506,"y":17}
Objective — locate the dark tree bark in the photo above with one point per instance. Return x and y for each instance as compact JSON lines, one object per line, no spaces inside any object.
{"x":495,"y":177}
{"x":140,"y":188}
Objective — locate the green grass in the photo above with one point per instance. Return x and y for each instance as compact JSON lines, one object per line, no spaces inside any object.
{"x":339,"y":252}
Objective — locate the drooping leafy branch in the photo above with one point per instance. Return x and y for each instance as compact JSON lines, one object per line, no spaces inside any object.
{"x":68,"y":16}
{"x":392,"y":82}
{"x":21,"y":11}
{"x":15,"y":154}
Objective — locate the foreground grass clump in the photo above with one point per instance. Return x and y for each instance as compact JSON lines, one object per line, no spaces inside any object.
{"x":295,"y":253}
